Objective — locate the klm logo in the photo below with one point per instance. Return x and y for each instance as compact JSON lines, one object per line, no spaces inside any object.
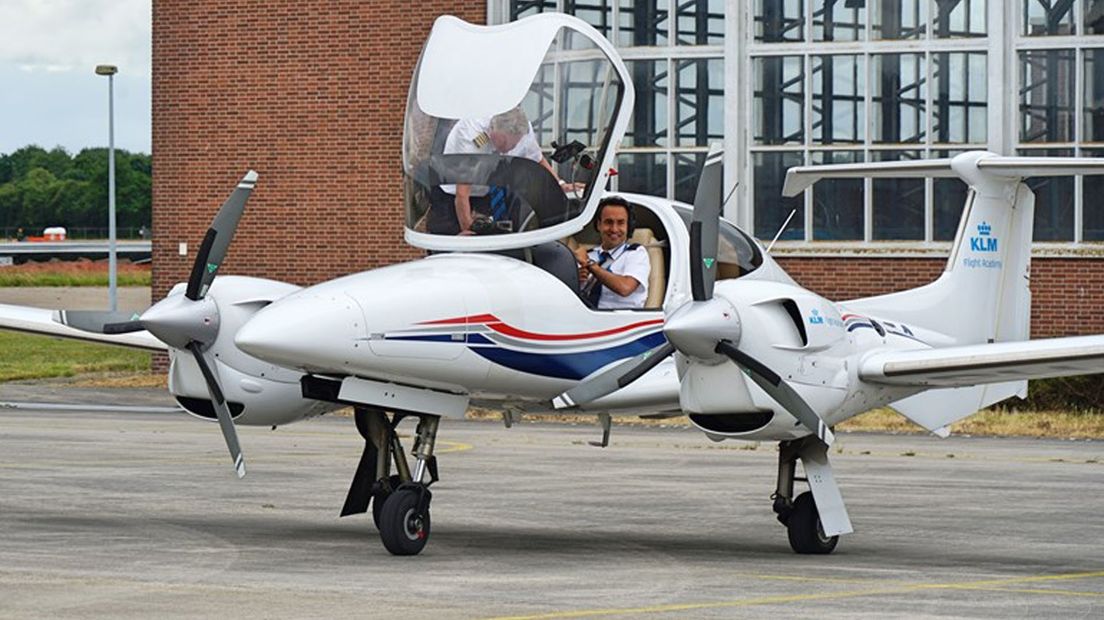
{"x":984,"y":242}
{"x":816,"y":319}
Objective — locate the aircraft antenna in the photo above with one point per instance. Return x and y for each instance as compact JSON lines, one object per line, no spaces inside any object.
{"x":781,"y":229}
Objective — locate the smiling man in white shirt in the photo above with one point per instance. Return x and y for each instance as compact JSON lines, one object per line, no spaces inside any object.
{"x":614,"y":274}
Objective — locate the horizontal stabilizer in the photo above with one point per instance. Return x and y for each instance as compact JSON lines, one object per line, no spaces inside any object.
{"x":986,"y":363}
{"x":799,"y":178}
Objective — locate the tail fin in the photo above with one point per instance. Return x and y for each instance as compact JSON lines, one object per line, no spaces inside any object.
{"x":983,"y":294}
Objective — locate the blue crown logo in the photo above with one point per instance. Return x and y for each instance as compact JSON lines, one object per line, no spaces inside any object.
{"x":984,"y":229}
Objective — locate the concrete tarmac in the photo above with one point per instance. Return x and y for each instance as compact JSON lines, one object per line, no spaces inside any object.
{"x":137,"y":515}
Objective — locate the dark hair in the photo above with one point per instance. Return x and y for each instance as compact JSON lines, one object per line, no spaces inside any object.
{"x":616,"y":201}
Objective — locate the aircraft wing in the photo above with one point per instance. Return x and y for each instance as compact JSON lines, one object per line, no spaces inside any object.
{"x":41,"y":321}
{"x":986,"y":363}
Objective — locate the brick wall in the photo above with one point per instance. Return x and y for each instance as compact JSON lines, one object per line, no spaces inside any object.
{"x":310,"y":94}
{"x":1067,"y":293}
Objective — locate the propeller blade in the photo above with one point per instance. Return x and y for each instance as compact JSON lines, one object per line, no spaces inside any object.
{"x":779,"y":390}
{"x":226,"y":421}
{"x":212,"y":250}
{"x":614,"y":378}
{"x":703,"y":227}
{"x":99,"y":321}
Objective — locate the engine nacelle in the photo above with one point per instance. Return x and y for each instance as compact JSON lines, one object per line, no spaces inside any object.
{"x":257,"y":392}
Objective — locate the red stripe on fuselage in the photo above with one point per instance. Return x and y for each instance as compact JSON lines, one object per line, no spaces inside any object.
{"x":497,"y":325}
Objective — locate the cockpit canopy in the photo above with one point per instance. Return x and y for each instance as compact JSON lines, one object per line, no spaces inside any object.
{"x":517,"y":121}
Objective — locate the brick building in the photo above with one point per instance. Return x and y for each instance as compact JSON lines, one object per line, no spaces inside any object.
{"x":311,"y":95}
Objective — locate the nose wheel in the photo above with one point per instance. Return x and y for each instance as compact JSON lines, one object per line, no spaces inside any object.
{"x":404,"y":520}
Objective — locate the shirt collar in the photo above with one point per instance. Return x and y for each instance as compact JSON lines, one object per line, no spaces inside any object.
{"x":614,"y":253}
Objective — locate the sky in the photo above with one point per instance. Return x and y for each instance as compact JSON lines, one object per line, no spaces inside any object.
{"x":49,"y":92}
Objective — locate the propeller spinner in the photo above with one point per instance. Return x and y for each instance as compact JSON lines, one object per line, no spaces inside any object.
{"x":189,"y":322}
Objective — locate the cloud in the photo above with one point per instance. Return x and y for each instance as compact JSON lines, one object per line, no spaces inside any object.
{"x":75,"y":35}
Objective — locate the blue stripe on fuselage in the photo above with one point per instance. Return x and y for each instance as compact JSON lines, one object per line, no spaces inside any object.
{"x":566,"y":365}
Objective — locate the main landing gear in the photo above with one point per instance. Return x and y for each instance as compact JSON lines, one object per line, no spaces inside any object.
{"x":800,"y":515}
{"x":400,"y":501}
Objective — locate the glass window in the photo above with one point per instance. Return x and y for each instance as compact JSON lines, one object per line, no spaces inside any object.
{"x":699,"y":22}
{"x":899,"y":19}
{"x":699,"y":102}
{"x":898,"y":98}
{"x":1046,"y":95}
{"x":642,"y":23}
{"x":643,"y":173}
{"x":898,"y":203}
{"x":779,"y":100}
{"x":839,"y":87}
{"x":1094,"y":16}
{"x":838,"y":203}
{"x":959,"y":18}
{"x":1053,"y":201}
{"x":493,"y":163}
{"x":779,"y":20}
{"x":771,"y":208}
{"x":948,"y":200}
{"x":648,"y":125}
{"x":1092,"y":209}
{"x":525,"y":8}
{"x":839,"y":21}
{"x":597,"y":13}
{"x":959,"y":97}
{"x":1048,"y":17}
{"x":737,"y":254}
{"x":1093,"y":119}
{"x":688,"y":168}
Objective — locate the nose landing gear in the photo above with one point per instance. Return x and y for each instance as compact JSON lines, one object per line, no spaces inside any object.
{"x":400,"y":502}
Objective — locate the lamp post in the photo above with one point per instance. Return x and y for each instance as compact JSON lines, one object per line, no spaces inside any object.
{"x":112,"y":293}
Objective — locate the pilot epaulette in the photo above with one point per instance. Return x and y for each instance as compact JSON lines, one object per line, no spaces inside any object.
{"x":632,"y":246}
{"x":481,"y":139}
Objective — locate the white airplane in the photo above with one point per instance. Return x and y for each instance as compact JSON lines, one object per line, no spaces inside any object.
{"x":727,"y":336}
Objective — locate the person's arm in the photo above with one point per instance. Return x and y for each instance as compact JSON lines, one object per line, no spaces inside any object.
{"x":463,"y":208}
{"x":622,"y":285}
{"x":571,"y":187}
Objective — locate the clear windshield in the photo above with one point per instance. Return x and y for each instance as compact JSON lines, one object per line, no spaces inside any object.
{"x":737,"y":253}
{"x":531,"y":155}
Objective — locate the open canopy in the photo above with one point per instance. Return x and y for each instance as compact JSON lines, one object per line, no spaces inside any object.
{"x":510,"y":132}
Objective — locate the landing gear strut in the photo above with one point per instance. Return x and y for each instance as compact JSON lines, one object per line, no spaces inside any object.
{"x":400,"y":501}
{"x":801,"y":516}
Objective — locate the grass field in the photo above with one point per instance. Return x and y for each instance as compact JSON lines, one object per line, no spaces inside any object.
{"x":73,"y":273}
{"x":27,"y":356}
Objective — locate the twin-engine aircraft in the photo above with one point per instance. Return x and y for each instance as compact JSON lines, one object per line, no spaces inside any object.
{"x":726,"y":336}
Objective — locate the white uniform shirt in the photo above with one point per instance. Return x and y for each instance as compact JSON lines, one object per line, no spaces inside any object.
{"x":469,"y":136}
{"x":626,"y":262}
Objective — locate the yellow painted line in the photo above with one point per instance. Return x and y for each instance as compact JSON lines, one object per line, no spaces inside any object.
{"x":796,"y":598}
{"x":1028,"y":591}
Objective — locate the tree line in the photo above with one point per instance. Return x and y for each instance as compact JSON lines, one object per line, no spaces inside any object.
{"x":40,"y":188}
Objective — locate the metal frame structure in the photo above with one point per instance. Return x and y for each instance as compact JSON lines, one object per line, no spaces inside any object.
{"x":1020,"y":44}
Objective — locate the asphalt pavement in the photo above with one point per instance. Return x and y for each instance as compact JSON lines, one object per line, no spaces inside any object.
{"x":134,"y":514}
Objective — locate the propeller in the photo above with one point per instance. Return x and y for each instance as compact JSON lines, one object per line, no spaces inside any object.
{"x":706,"y":328}
{"x":188,"y":322}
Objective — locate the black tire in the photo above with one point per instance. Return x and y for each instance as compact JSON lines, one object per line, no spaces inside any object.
{"x":805,"y":530}
{"x":404,"y":530}
{"x":379,"y":498}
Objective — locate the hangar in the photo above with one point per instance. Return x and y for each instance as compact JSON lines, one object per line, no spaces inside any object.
{"x":311,"y":94}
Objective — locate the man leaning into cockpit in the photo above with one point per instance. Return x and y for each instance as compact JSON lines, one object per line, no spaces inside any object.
{"x":509,"y":134}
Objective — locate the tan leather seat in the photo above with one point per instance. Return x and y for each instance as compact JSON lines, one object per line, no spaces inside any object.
{"x":657,"y":279}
